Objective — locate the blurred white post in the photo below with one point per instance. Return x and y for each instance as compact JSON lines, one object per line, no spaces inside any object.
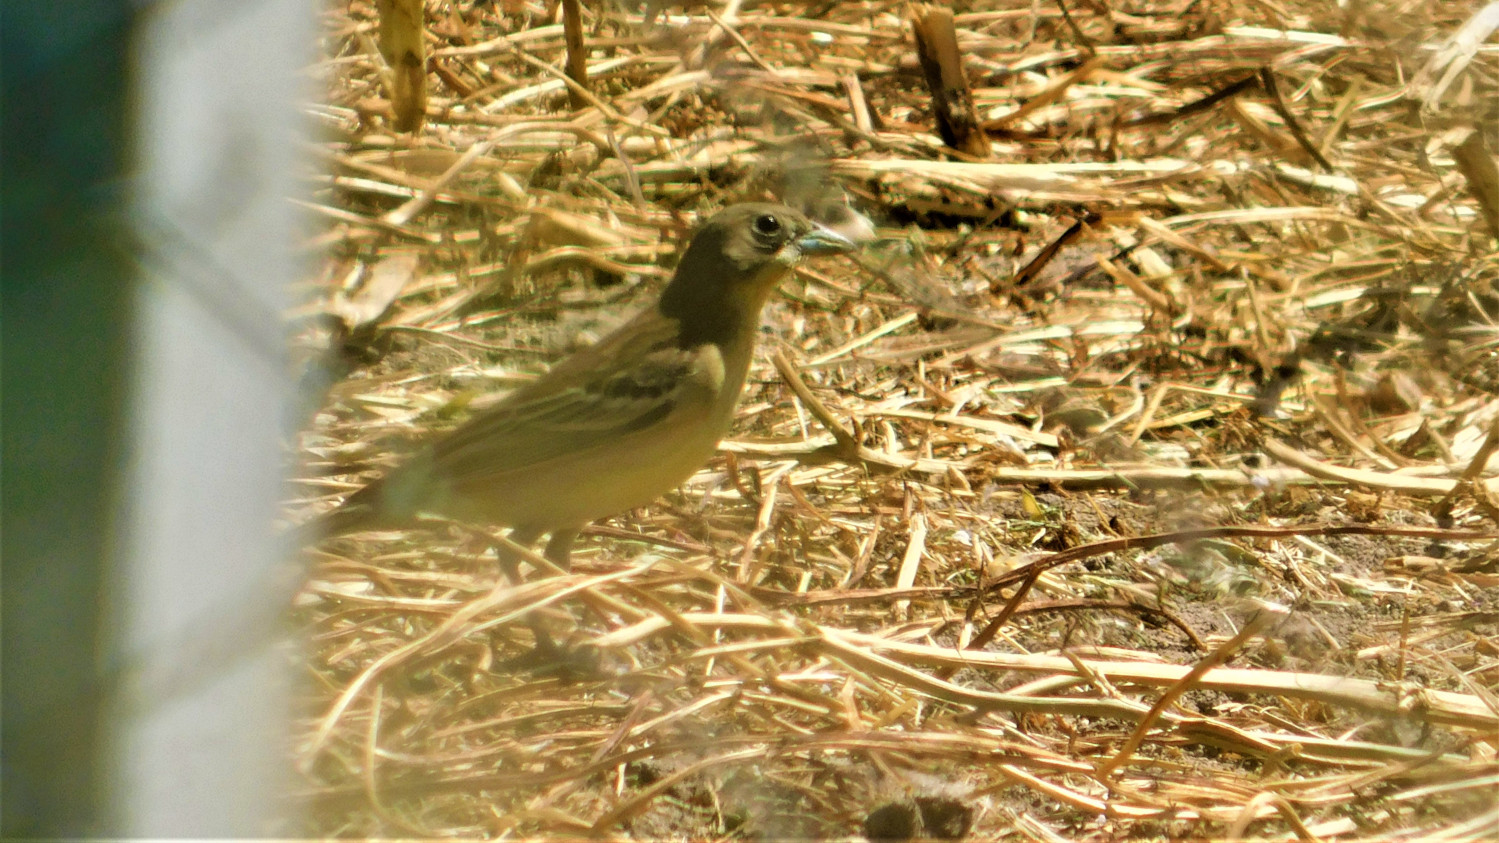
{"x":198,"y":739}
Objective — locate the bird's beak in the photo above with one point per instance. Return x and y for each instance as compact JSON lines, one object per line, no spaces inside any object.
{"x":824,"y":241}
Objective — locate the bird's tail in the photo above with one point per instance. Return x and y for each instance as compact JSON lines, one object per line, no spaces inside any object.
{"x":357,"y":512}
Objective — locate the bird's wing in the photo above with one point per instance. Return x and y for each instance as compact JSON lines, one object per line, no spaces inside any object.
{"x":631,"y":380}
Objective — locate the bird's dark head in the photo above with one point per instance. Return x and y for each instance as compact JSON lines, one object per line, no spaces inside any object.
{"x":734,"y":261}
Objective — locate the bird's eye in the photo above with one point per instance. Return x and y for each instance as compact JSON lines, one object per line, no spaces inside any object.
{"x":766,"y":225}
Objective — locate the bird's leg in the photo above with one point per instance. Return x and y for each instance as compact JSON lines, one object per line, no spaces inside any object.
{"x":576,"y":660}
{"x":509,"y":564}
{"x":548,"y":654}
{"x":559,"y":551}
{"x":560,"y":546}
{"x":510,"y":567}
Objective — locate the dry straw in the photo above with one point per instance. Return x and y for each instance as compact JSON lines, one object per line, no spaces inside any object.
{"x":1223,"y":268}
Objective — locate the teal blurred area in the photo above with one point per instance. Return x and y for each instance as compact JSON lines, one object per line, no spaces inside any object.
{"x":64,"y":318}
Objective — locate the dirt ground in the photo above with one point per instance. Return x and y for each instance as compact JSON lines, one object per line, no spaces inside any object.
{"x":1157,"y":505}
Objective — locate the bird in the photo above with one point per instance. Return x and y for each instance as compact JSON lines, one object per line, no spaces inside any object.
{"x":616,"y":424}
